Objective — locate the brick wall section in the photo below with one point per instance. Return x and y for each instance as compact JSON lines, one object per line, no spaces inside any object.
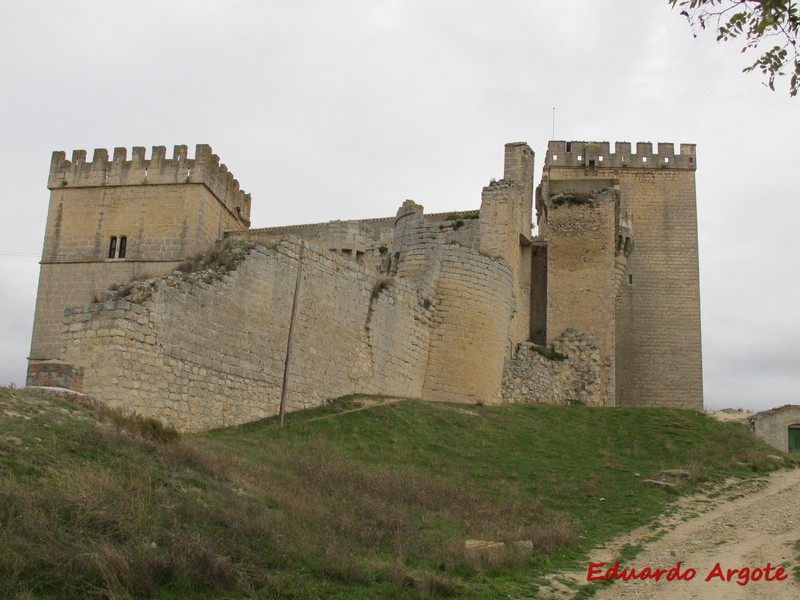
{"x":57,"y":374}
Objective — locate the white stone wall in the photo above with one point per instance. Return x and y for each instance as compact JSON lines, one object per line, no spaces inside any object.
{"x":203,"y":351}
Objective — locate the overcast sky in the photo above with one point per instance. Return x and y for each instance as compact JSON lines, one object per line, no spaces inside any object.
{"x":331,"y":109}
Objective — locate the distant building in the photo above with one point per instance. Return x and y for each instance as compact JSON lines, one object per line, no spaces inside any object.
{"x":779,"y":427}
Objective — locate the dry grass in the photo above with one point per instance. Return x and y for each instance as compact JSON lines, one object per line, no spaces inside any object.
{"x":367,"y":504}
{"x":146,"y":428}
{"x":225,"y":256}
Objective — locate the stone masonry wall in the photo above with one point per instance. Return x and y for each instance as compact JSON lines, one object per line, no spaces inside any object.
{"x":208,"y":354}
{"x":63,"y":285}
{"x":580,"y":271}
{"x":502,"y":215}
{"x":658,"y":340}
{"x":469,"y":335}
{"x":167,"y":209}
{"x":659,"y":332}
{"x":530,"y":377}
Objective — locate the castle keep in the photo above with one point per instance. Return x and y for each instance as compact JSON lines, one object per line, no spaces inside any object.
{"x":600,"y":307}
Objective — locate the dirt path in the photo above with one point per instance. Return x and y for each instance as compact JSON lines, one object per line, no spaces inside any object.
{"x":362,"y":404}
{"x":739,"y":525}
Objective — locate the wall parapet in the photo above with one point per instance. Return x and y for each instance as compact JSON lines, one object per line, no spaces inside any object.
{"x":204,"y":168}
{"x":598,"y":154}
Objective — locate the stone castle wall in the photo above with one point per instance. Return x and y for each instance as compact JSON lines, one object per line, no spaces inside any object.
{"x":469,"y":337}
{"x":202,"y":354}
{"x":658,"y":315}
{"x":436,"y":306}
{"x":208,"y":354}
{"x":505,"y":229}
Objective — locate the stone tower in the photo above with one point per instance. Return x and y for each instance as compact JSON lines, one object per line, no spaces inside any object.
{"x":505,"y":228}
{"x":618,"y":260}
{"x":113,"y":221}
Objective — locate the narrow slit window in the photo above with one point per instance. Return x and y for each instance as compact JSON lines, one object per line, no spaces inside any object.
{"x":123,"y":244}
{"x":112,"y":247}
{"x":630,"y":279}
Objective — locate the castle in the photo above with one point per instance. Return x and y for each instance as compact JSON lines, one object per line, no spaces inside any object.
{"x":601,"y":307}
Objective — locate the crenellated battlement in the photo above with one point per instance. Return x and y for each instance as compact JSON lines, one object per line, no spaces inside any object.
{"x":204,"y":168}
{"x":599,"y":155}
{"x":433,"y":306}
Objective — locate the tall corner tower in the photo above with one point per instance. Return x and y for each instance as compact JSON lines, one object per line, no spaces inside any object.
{"x":113,"y":221}
{"x":649,"y":241}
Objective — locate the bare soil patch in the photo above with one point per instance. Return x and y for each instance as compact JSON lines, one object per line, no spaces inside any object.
{"x":737,"y":525}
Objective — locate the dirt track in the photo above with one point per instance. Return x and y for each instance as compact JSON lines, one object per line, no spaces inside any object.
{"x":742,"y":525}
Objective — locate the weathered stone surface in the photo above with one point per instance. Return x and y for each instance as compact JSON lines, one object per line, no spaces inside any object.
{"x":435,"y":306}
{"x":532,"y":377}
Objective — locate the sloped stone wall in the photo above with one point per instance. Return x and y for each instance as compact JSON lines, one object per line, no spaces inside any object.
{"x":208,"y":350}
{"x":203,"y":354}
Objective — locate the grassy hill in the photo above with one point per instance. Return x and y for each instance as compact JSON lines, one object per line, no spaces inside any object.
{"x":341,"y":503}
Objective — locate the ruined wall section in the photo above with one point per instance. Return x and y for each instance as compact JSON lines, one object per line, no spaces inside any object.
{"x":573,"y":375}
{"x":658,"y":313}
{"x":580,"y":267}
{"x":367,"y":241}
{"x":209,"y":354}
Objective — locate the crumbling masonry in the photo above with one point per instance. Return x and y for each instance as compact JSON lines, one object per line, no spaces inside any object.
{"x":601,"y":307}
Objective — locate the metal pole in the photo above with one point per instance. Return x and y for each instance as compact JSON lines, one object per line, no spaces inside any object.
{"x":285,"y":385}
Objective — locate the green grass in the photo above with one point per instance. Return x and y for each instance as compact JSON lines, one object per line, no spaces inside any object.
{"x":372,"y":503}
{"x":797,"y":552}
